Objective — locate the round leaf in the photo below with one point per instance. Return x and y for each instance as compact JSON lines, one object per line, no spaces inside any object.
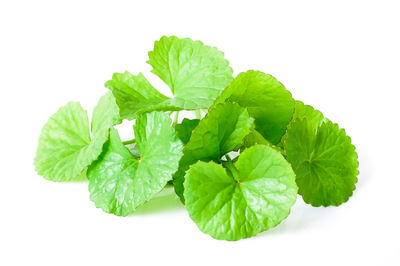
{"x":196,"y":73}
{"x":325,"y":162}
{"x":234,"y":207}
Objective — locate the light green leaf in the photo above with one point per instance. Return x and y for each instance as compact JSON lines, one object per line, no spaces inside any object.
{"x":196,"y":73}
{"x":234,"y":207}
{"x":105,"y":115}
{"x":185,"y":129}
{"x":222,"y":130}
{"x":265,"y":98}
{"x":65,"y":147}
{"x":325,"y":162}
{"x":119,"y":182}
{"x":134,"y":94}
{"x":111,"y":178}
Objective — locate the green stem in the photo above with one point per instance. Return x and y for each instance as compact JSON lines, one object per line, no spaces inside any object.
{"x":231,"y":168}
{"x":198,"y":113}
{"x":176,"y":117}
{"x":129,"y":141}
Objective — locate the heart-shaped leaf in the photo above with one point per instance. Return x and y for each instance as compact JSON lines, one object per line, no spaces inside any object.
{"x":119,"y":182}
{"x":251,"y":196}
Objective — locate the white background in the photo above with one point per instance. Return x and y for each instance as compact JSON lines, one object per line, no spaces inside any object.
{"x":342,"y":57}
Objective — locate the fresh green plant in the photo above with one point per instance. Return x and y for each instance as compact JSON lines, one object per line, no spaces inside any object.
{"x":238,"y":169}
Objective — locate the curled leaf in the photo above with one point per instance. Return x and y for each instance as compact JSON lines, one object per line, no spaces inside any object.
{"x":222,"y":130}
{"x":65,"y":147}
{"x":135,"y":95}
{"x":119,"y":181}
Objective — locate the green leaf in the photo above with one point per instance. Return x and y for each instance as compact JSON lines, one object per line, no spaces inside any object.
{"x":229,"y":208}
{"x":65,"y":148}
{"x":105,"y":115}
{"x":254,"y":138}
{"x":185,"y":129}
{"x":325,"y":162}
{"x":222,"y":130}
{"x":111,"y":178}
{"x":266,"y":100}
{"x":196,"y":73}
{"x":133,"y":149}
{"x":119,"y":182}
{"x":304,"y":111}
{"x":134,"y":94}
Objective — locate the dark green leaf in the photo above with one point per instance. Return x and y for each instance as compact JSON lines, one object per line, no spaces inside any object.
{"x":185,"y":129}
{"x":325,"y":162}
{"x":265,"y":98}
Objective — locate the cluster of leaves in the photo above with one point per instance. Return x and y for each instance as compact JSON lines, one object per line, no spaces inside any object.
{"x":238,"y":170}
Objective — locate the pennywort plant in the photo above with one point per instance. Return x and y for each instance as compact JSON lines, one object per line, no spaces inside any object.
{"x":238,"y":169}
